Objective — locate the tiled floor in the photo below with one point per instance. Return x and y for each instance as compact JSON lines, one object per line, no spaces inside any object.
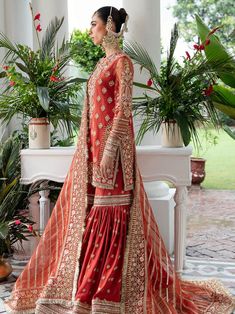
{"x":211,"y":224}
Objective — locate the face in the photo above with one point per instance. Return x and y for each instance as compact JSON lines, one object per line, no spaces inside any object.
{"x":97,"y":29}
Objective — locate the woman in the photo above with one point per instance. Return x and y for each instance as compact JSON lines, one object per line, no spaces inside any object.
{"x":101,"y":251}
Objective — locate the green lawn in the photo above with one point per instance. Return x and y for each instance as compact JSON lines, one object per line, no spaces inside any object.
{"x":220,"y":164}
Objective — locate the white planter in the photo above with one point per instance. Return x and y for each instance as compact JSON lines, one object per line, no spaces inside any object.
{"x":39,"y":133}
{"x":171,"y":135}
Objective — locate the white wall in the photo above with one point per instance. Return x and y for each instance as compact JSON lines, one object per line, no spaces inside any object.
{"x":80,"y":14}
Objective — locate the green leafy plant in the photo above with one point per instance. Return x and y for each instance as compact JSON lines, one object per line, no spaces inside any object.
{"x":223,"y":95}
{"x":35,"y":81}
{"x":180,"y":93}
{"x":216,"y":51}
{"x":83,"y":50}
{"x":15,"y":224}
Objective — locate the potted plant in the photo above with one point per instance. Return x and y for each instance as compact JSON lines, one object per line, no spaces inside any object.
{"x":198,"y":162}
{"x":36,"y":84}
{"x":177,"y":95}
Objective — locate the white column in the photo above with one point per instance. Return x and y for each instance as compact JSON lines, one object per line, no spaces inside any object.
{"x":180,"y":231}
{"x":18,"y":21}
{"x":44,"y":206}
{"x":18,"y":28}
{"x":144,"y":28}
{"x":50,"y":9}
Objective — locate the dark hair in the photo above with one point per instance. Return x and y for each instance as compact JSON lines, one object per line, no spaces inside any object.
{"x":119,"y":16}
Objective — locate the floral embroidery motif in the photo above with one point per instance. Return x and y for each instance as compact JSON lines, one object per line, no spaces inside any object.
{"x":98,"y":98}
{"x":124,"y":96}
{"x":111,"y":83}
{"x":110,"y":100}
{"x":102,"y":107}
{"x":104,"y":90}
{"x":107,"y":117}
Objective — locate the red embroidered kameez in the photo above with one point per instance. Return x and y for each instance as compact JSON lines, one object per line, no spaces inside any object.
{"x":101,"y":251}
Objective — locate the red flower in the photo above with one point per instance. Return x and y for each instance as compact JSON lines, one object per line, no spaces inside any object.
{"x":207,"y":42}
{"x":30,"y":228}
{"x":187,"y":55}
{"x":214,"y":30}
{"x":6,"y":67}
{"x":53,"y":78}
{"x":17,"y":222}
{"x":199,"y":47}
{"x":37,"y":17}
{"x":208,"y":91}
{"x":38,"y":28}
{"x":150,"y":82}
{"x":12,"y":83}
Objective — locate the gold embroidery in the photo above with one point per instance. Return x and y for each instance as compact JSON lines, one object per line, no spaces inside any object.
{"x":120,"y":136}
{"x":107,"y":307}
{"x":110,"y":200}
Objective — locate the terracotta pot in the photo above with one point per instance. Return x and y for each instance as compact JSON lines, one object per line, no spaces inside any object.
{"x":171,"y":135}
{"x":198,"y":170}
{"x":39,"y":133}
{"x":5,"y":269}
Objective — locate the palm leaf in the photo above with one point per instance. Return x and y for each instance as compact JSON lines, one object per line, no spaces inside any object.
{"x":143,"y":86}
{"x":48,"y":40}
{"x":141,"y":57}
{"x":3,"y":74}
{"x":4,"y":230}
{"x":9,"y":46}
{"x":170,"y":58}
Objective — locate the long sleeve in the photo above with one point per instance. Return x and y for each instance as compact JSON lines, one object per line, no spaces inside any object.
{"x":123,"y":105}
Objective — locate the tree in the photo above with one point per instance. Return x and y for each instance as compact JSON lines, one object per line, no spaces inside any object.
{"x":212,"y":12}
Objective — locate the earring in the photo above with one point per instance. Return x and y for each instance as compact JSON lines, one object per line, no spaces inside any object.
{"x":110,"y":41}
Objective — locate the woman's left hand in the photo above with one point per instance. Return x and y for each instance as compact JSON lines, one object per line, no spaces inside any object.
{"x":106,"y":166}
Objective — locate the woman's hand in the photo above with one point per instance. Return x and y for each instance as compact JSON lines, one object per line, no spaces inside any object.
{"x":106,"y":166}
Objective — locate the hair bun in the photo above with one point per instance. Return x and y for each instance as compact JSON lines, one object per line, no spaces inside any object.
{"x":123,"y":14}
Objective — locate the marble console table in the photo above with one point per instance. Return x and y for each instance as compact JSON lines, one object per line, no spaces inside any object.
{"x":155,"y":163}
